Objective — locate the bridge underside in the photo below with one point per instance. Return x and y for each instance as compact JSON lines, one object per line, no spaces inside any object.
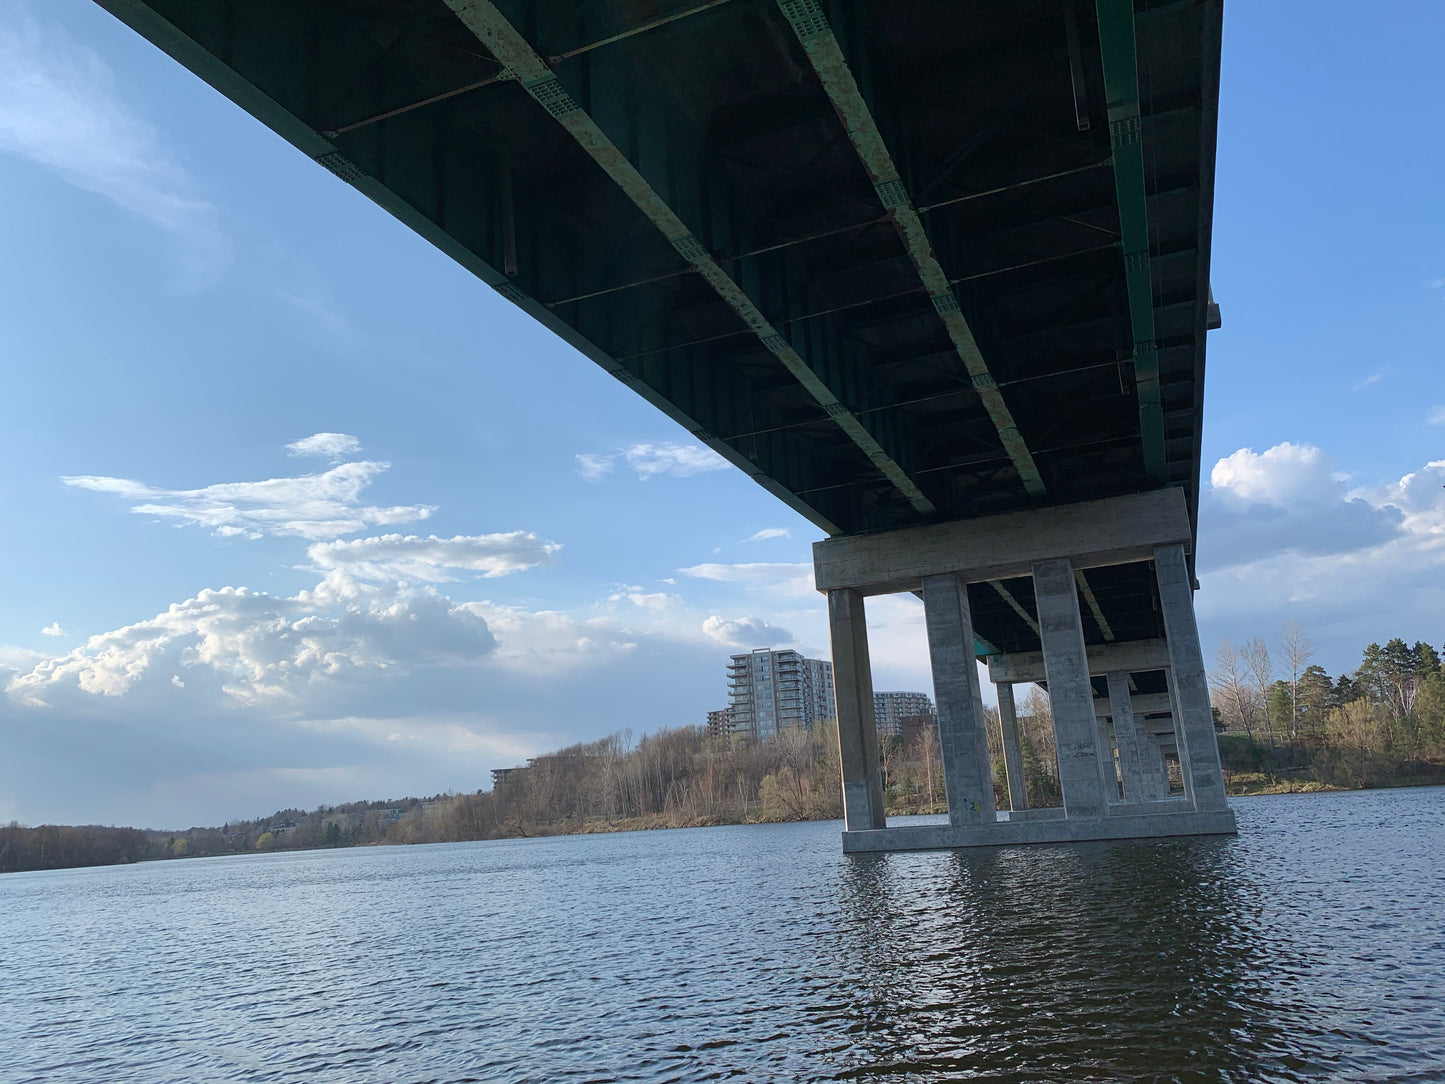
{"x":904,"y":262}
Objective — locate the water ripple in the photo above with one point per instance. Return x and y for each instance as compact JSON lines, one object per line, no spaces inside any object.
{"x":1309,"y":947}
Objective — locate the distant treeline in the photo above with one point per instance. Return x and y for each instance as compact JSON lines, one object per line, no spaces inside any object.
{"x":1290,"y":725}
{"x":1383,"y":724}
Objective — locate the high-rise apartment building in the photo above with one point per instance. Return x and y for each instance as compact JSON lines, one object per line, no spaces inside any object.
{"x":717,"y":723}
{"x":771,"y":690}
{"x":890,"y":709}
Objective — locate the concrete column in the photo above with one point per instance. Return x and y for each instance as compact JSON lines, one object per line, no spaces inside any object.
{"x":1193,"y":720}
{"x":1013,"y":758}
{"x":1070,"y":694}
{"x":1126,"y":734}
{"x":1108,"y":773}
{"x":967,"y":777}
{"x":1156,"y":772}
{"x":857,"y":729}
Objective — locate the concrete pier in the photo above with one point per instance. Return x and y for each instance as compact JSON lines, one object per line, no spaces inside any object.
{"x":1103,"y":797}
{"x":1018,"y":791}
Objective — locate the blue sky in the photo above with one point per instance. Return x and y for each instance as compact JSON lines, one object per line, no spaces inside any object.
{"x":300,"y":512}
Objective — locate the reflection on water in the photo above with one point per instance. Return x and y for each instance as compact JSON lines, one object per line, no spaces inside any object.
{"x":1311,"y":946}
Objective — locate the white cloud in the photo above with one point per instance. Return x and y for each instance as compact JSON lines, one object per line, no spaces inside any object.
{"x":779,"y":578}
{"x":1281,"y":475}
{"x":652,"y":460}
{"x":749,"y":632}
{"x":1287,"y":499}
{"x":332,"y":446}
{"x":594,"y":468}
{"x":395,"y":557}
{"x":767,"y":533}
{"x":1436,"y":415}
{"x":1371,"y":380}
{"x":53,"y":629}
{"x":678,"y":460}
{"x":311,"y":506}
{"x":59,"y":107}
{"x":1283,"y":537}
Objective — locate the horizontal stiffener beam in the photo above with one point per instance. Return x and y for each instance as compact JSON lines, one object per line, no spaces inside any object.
{"x":1119,"y":530}
{"x":1130,"y":657}
{"x":816,"y":37}
{"x":524,"y":64}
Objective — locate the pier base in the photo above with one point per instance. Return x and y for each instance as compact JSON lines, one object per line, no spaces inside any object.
{"x":1109,"y":735}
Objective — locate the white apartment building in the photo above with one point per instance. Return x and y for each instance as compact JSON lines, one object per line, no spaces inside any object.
{"x":771,"y":690}
{"x":890,"y":709}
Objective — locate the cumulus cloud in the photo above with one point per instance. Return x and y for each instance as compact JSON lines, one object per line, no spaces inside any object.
{"x":767,"y":533}
{"x":395,"y":557}
{"x":1436,"y":415}
{"x":60,"y":108}
{"x":332,"y":446}
{"x":311,"y":506}
{"x":1288,"y":498}
{"x":1289,"y":539}
{"x":745,"y":632}
{"x":652,"y":460}
{"x":250,"y":645}
{"x":52,"y":629}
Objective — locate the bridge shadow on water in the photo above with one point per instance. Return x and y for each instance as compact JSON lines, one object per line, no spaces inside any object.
{"x":1136,"y":960}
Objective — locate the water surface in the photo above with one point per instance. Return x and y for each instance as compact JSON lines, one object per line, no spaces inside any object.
{"x":1311,"y":946}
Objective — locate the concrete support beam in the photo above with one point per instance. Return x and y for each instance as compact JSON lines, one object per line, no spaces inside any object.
{"x":967,"y":778}
{"x":1142,"y":704}
{"x":1018,"y":791}
{"x":1108,"y":772}
{"x":1070,"y":695}
{"x":1194,"y":721}
{"x":1126,"y":734}
{"x":1132,"y":657}
{"x":1119,"y":530}
{"x":857,"y":728}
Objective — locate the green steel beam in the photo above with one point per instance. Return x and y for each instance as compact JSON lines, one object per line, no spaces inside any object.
{"x":150,"y":24}
{"x":1126,"y":138}
{"x":1014,"y":604}
{"x":816,"y":37}
{"x":1093,"y":603}
{"x":524,"y":64}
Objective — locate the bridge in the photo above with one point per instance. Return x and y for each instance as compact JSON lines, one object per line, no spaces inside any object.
{"x":935,"y":274}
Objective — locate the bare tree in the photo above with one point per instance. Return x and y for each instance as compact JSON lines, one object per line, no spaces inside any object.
{"x":1296,"y":651}
{"x":1232,"y":688}
{"x":1261,"y":673}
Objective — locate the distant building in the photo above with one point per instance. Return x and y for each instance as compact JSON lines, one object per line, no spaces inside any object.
{"x":769,"y":691}
{"x":912,"y":729}
{"x":890,"y":709}
{"x":718,"y":723}
{"x":501,"y":775}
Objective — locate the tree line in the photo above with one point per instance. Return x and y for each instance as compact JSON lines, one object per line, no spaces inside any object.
{"x":1287,"y":722}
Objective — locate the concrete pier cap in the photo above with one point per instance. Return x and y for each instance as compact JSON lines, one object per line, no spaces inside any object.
{"x":1114,"y":750}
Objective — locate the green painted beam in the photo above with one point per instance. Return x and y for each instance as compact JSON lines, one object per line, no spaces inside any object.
{"x":524,"y":64}
{"x":1126,"y":138}
{"x":816,"y":37}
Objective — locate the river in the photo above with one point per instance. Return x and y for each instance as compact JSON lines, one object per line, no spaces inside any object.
{"x":1311,"y":946}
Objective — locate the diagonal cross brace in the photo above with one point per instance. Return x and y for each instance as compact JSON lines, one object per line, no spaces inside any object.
{"x":811,"y":27}
{"x":523,"y":63}
{"x":1126,"y":137}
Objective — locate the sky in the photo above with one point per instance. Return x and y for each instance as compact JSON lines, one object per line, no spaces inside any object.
{"x":299,"y":512}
